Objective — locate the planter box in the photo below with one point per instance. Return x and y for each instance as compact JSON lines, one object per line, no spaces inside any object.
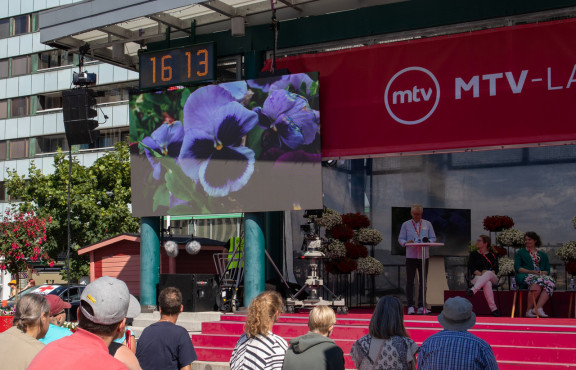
{"x":5,"y":323}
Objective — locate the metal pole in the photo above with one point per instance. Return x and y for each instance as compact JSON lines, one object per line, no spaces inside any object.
{"x":69,"y":232}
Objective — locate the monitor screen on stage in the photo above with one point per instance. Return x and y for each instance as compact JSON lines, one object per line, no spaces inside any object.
{"x":244,"y":146}
{"x":452,"y":227}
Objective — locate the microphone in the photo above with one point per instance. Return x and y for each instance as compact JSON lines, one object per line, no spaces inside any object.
{"x":425,"y":240}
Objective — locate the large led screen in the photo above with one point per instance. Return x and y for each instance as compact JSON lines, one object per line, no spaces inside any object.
{"x":244,"y":146}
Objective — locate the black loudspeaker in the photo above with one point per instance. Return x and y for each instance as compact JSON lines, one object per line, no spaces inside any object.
{"x":79,"y":107}
{"x":199,"y":291}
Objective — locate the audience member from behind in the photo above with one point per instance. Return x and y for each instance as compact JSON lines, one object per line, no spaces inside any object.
{"x":387,"y":346}
{"x":20,"y":343}
{"x":31,"y":283}
{"x":454,"y":347}
{"x":315,"y":350}
{"x":165,"y":345}
{"x":258,"y":348}
{"x":57,"y":318}
{"x":101,"y":319}
{"x":483,"y":265}
{"x":128,"y":340}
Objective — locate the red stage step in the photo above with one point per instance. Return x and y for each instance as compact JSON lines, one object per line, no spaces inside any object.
{"x":517,"y":343}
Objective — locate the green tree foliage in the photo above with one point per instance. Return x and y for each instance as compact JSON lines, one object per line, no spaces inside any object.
{"x":99,"y":198}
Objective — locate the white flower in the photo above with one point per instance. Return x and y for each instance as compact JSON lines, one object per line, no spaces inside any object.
{"x":329,"y":219}
{"x":567,"y":251}
{"x":369,"y":266}
{"x":506,"y":266}
{"x":334,"y":249}
{"x":511,"y":237}
{"x":369,"y":236}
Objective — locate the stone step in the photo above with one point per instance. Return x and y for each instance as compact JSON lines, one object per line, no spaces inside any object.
{"x":191,"y":321}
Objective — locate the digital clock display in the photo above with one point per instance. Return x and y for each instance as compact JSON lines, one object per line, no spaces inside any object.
{"x":186,"y":65}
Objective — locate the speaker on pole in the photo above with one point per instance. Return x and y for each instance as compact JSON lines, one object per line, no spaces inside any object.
{"x":79,"y":108}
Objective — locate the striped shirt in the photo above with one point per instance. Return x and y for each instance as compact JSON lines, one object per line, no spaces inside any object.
{"x":259,"y":353}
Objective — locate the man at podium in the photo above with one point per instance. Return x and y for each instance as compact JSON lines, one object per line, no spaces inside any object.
{"x":415,"y":230}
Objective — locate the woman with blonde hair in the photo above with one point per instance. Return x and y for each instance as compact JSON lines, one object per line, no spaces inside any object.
{"x":258,"y":347}
{"x":20,"y":342}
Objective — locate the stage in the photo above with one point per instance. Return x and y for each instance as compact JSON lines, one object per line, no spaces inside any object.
{"x":545,"y":343}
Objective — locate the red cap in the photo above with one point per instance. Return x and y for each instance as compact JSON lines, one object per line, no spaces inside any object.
{"x":56,"y":304}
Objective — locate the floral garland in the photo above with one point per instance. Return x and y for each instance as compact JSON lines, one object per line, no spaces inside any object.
{"x":369,"y":266}
{"x":511,"y":237}
{"x":505,"y":266}
{"x":567,"y":251}
{"x":497,"y":223}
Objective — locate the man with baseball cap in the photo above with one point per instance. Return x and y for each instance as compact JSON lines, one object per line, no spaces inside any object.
{"x":101,"y":319}
{"x":454,"y":347}
{"x":57,"y":317}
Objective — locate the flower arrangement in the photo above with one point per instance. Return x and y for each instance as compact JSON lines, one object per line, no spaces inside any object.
{"x":511,"y":237}
{"x":7,"y":311}
{"x":341,"y":232}
{"x":369,"y":266}
{"x":356,"y":251}
{"x":369,"y":236}
{"x":497,"y":223}
{"x":506,"y":266}
{"x":334,"y":249}
{"x":329,"y":219}
{"x":567,"y":251}
{"x":343,"y":265}
{"x":72,"y":326}
{"x":356,"y":220}
{"x":347,"y":236}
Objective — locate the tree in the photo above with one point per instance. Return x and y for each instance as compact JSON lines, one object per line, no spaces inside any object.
{"x":100,"y":196}
{"x":22,"y":241}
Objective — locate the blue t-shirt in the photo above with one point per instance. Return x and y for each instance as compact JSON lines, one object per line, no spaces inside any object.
{"x":164,"y":345}
{"x":54,"y":333}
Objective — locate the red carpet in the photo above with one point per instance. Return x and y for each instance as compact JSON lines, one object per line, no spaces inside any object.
{"x":518,"y":343}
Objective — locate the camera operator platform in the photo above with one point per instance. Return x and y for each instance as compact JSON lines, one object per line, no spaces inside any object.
{"x":314,"y":283}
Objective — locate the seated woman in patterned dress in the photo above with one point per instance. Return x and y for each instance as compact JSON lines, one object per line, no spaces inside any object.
{"x":533,"y":271}
{"x":387,"y":346}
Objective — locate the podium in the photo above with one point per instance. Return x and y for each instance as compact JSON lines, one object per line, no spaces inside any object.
{"x":423,"y":277}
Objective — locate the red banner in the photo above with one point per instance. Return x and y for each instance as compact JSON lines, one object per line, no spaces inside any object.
{"x":506,"y":86}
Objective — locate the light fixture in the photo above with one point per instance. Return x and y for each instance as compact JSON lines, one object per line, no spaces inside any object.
{"x":171,"y":248}
{"x":193,"y":247}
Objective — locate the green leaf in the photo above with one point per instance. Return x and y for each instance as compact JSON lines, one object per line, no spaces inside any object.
{"x":161,"y":197}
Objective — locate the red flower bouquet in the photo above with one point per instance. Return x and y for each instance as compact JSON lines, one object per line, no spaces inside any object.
{"x":497,"y":223}
{"x":355,"y":220}
{"x":341,"y":232}
{"x":356,"y":251}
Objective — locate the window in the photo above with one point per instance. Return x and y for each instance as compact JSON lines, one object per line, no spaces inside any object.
{"x":50,"y":144}
{"x":3,"y":150}
{"x":2,"y":191}
{"x":3,"y":109}
{"x":109,"y":138}
{"x":19,"y":149}
{"x":4,"y":27}
{"x":20,"y":107}
{"x":54,"y":58}
{"x":21,"y":25}
{"x":21,"y":66}
{"x":115,"y":95}
{"x":49,"y":101}
{"x":4,"y":68}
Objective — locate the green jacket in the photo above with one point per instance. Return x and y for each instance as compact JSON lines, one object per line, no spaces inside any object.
{"x":313,"y":351}
{"x":524,"y":260}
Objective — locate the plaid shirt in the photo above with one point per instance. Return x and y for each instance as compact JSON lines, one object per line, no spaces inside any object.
{"x":450,"y":350}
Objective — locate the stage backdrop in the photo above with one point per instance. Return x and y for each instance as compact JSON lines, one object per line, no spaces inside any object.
{"x":243,"y":146}
{"x":451,"y":226}
{"x":513,"y":85}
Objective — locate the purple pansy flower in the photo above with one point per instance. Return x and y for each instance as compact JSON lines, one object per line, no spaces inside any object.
{"x":295,"y":80}
{"x":165,"y":140}
{"x":290,"y":116}
{"x":214,"y":127}
{"x":265,"y":83}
